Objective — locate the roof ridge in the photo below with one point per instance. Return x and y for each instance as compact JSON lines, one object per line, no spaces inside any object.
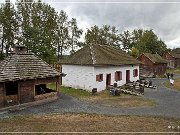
{"x":92,"y":54}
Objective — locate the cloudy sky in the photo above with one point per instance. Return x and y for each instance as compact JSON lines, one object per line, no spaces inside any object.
{"x":163,"y":16}
{"x":160,"y":15}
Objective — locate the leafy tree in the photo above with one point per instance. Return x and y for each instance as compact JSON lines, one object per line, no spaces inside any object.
{"x":92,"y":35}
{"x":149,"y":43}
{"x":125,"y":38}
{"x":75,"y":34}
{"x":38,"y":24}
{"x":106,"y":35}
{"x":9,"y":25}
{"x":62,"y":33}
{"x":24,"y":17}
{"x":134,"y":52}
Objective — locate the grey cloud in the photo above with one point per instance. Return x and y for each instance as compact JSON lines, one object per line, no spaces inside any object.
{"x":163,"y":18}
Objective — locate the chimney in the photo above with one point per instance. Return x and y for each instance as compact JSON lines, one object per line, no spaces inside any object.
{"x":20,"y":49}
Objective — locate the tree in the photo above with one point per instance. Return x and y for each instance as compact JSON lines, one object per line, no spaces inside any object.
{"x":134,"y":52}
{"x":92,"y":35}
{"x":125,"y":38}
{"x":9,"y":25}
{"x":149,"y":43}
{"x":75,"y":34}
{"x":38,"y":28}
{"x":62,"y":33}
{"x":106,"y":35}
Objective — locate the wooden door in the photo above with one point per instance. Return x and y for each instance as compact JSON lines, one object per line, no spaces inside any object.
{"x":108,"y":79}
{"x":127,"y":76}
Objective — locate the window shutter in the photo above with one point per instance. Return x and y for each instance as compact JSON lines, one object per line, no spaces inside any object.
{"x":97,"y":78}
{"x":120,"y":76}
{"x":116,"y":76}
{"x":136,"y":72}
{"x":101,"y":77}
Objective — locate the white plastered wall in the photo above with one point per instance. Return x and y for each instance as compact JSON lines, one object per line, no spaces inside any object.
{"x":84,"y":77}
{"x":111,"y":70}
{"x":78,"y":76}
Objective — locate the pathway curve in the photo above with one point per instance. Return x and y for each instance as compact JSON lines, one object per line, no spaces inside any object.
{"x":168,"y":105}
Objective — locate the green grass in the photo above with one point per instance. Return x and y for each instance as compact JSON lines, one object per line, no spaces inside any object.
{"x":71,"y":91}
{"x":167,"y":83}
{"x":75,"y":92}
{"x":162,"y":76}
{"x":176,"y":71}
{"x":176,"y":85}
{"x":105,"y":99}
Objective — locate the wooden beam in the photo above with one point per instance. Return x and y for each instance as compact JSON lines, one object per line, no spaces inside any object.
{"x":19,"y":92}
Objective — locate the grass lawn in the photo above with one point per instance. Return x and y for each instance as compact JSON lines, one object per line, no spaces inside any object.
{"x":175,"y":86}
{"x":105,"y":99}
{"x":176,"y":71}
{"x":88,"y":123}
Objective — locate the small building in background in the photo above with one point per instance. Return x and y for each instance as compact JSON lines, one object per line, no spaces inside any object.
{"x":97,"y":67}
{"x":24,"y":78}
{"x":152,"y":64}
{"x":173,"y":58}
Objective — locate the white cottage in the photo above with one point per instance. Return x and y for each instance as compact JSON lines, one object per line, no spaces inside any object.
{"x":98,"y":66}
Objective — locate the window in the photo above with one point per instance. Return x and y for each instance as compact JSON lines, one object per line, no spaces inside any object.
{"x":42,"y":89}
{"x":11,"y":88}
{"x":135,"y":72}
{"x":118,"y":76}
{"x":99,"y":77}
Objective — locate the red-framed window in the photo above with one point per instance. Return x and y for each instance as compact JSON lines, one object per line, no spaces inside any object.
{"x":135,"y":72}
{"x":118,"y":75}
{"x":99,"y":77}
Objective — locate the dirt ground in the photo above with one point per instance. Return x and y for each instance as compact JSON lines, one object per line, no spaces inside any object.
{"x":124,"y":100}
{"x":88,"y":123}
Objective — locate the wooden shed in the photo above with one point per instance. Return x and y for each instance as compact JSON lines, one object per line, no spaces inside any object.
{"x":152,"y":64}
{"x":173,"y":59}
{"x":23,"y":79}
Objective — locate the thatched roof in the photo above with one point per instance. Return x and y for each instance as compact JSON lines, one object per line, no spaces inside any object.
{"x":177,"y":51}
{"x":175,"y":55}
{"x":155,"y":58}
{"x":25,"y":66}
{"x":100,"y":55}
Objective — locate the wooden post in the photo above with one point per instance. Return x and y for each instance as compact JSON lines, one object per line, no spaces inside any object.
{"x":19,"y":92}
{"x":57,"y":85}
{"x":4,"y":94}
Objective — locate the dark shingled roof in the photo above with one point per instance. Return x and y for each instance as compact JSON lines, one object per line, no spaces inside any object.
{"x":25,"y":66}
{"x":155,"y":58}
{"x":100,"y":55}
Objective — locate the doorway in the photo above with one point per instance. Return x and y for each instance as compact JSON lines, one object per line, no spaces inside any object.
{"x":127,"y":76}
{"x":108,"y":79}
{"x":11,"y":88}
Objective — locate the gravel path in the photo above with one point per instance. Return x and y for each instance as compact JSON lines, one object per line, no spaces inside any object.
{"x":168,"y":105}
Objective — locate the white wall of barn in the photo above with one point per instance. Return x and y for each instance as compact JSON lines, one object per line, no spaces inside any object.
{"x":84,"y":77}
